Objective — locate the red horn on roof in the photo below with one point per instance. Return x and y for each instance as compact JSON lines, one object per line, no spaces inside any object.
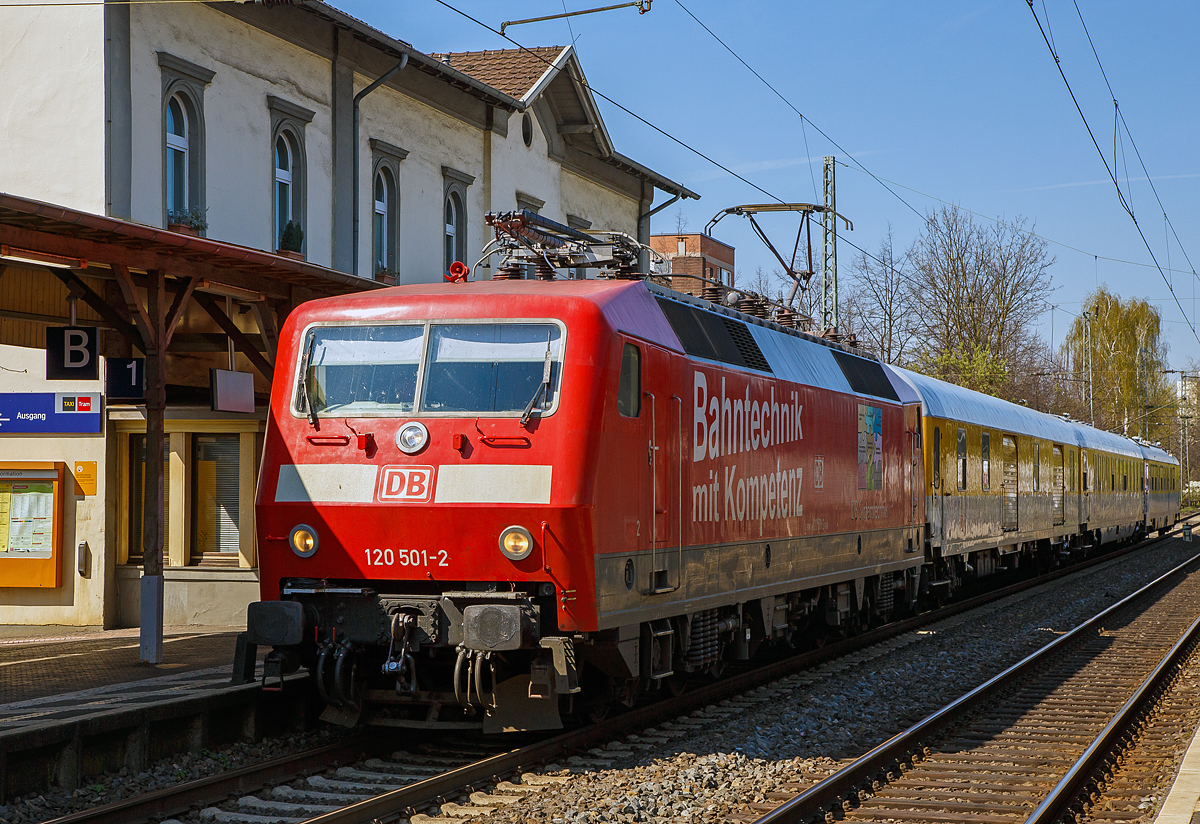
{"x":458,"y":272}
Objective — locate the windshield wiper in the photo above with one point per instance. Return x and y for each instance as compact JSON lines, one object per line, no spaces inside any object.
{"x":542,"y":390}
{"x":312,"y":413}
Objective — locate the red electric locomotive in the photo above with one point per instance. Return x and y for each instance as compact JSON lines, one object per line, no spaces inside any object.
{"x":491,"y":503}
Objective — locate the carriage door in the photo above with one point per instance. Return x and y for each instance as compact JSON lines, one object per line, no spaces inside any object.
{"x":1146,"y":492}
{"x":665,"y":430}
{"x":1085,"y":501}
{"x":1057,"y":486}
{"x":912,"y":426}
{"x":1008,"y":516}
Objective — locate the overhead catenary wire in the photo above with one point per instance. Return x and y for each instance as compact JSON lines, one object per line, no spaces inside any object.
{"x":859,"y":167}
{"x":1111,"y":174}
{"x":646,"y":122}
{"x":790,"y":105}
{"x":1029,"y":232}
{"x":1120,"y":114}
{"x":608,"y":99}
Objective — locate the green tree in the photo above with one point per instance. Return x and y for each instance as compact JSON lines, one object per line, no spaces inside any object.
{"x":973,"y":366}
{"x":1128,"y":359}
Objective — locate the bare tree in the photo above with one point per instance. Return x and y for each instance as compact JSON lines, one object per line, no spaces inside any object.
{"x":681,"y":222}
{"x":876,"y":304}
{"x":975,"y":294}
{"x":763,"y":282}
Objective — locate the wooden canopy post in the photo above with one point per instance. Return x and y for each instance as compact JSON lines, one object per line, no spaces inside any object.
{"x":151,"y":323}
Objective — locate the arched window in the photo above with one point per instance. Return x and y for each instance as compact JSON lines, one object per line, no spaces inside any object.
{"x":284,"y":166}
{"x":454,"y":232}
{"x":177,"y":156}
{"x":384,"y":223}
{"x":182,"y":129}
{"x":454,"y":191}
{"x":288,"y":175}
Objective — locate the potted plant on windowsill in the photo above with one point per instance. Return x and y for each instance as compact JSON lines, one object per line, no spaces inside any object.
{"x":291,"y":242}
{"x":189,"y":221}
{"x":386,"y":276}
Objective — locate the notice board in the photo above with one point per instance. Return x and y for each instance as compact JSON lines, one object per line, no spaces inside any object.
{"x":31,"y":515}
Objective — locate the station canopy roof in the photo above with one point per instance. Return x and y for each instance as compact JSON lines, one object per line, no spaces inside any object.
{"x":48,"y":229}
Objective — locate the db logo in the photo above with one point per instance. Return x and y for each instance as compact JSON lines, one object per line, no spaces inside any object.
{"x":406,"y":483}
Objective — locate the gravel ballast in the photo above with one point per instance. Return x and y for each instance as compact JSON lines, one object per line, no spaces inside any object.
{"x":705,"y":767}
{"x":808,"y":725}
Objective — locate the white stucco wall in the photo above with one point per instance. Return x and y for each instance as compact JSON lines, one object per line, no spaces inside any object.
{"x":434,"y":139}
{"x":602,"y":206}
{"x":80,"y":600}
{"x":52,"y":105}
{"x":249,"y":64}
{"x":525,"y":169}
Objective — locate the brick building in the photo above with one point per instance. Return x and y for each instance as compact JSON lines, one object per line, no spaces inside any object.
{"x":695,"y":255}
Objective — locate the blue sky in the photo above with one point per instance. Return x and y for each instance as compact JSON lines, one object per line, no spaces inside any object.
{"x":958,"y":101}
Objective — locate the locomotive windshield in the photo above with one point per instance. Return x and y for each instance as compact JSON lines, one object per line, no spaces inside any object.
{"x":351,"y":370}
{"x":491,"y":367}
{"x":474,"y":368}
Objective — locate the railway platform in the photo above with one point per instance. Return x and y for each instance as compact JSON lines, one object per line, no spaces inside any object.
{"x":1182,"y":805}
{"x":78,"y":703}
{"x":49,"y":674}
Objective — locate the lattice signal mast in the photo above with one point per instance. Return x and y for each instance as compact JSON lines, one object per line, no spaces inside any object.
{"x":829,"y":287}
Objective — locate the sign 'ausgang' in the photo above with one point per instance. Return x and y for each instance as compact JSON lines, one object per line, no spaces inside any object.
{"x":28,"y":413}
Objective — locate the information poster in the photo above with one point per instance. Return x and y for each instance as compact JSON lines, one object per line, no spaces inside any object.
{"x":31,"y":523}
{"x":27,"y":519}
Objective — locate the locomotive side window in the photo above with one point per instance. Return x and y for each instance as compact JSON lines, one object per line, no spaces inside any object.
{"x":986,"y":448}
{"x":350,"y":370}
{"x":629,"y":389}
{"x":962,"y":459}
{"x":492,"y":367}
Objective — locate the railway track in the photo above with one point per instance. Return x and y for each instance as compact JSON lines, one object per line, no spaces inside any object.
{"x":458,"y":780}
{"x":1039,"y":741}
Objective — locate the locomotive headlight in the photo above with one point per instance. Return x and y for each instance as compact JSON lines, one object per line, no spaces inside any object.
{"x":516,"y":543}
{"x":304,"y":540}
{"x":412,"y":438}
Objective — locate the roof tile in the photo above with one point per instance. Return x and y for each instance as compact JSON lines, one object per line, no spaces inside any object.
{"x":511,"y":71}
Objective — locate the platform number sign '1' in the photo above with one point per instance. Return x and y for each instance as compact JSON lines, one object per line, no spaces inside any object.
{"x":125,"y":379}
{"x":72,"y":353}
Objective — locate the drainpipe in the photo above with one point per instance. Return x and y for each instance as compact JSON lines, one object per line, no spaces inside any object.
{"x":643,"y":228}
{"x":358,"y":97}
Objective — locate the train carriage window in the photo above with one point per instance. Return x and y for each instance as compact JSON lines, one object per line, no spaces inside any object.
{"x":986,"y":449}
{"x":629,"y":389}
{"x":492,"y":367}
{"x":937,"y":457}
{"x":1071,"y":470}
{"x":962,"y":459}
{"x":351,"y":370}
{"x":1084,"y":465}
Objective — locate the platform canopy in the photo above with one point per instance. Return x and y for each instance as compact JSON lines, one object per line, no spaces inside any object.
{"x":172,"y":271}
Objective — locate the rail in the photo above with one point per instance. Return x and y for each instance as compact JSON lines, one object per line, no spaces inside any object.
{"x":845,"y":784}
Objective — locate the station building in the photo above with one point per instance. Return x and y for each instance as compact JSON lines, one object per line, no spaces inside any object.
{"x":154,"y":156}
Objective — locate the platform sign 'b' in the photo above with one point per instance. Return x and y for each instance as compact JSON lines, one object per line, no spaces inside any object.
{"x":72,"y":353}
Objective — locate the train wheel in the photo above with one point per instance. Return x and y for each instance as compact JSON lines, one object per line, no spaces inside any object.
{"x":676,"y":684}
